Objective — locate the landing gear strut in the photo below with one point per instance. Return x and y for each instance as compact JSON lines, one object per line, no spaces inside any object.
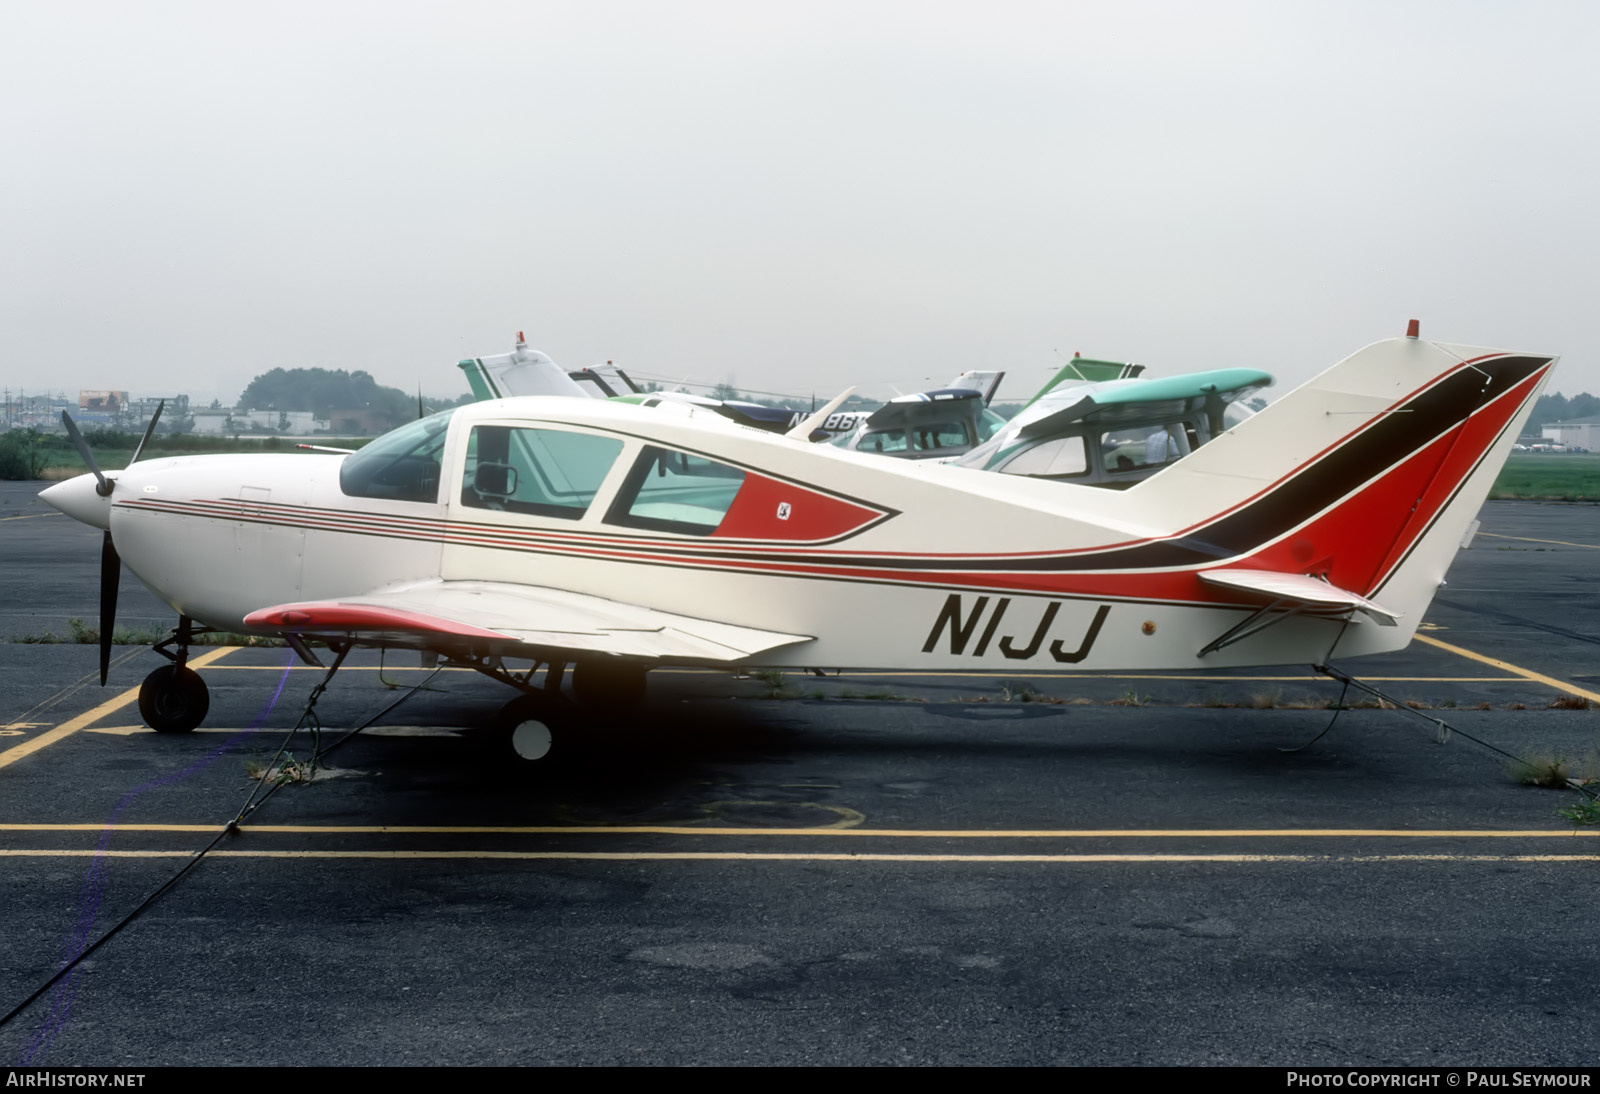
{"x":538,"y":726}
{"x":173,"y":698}
{"x":609,"y":687}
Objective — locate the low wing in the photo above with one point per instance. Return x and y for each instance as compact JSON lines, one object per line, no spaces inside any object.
{"x":488,"y":617}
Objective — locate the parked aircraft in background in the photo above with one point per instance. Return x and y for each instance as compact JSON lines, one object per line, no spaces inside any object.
{"x":1114,"y":433}
{"x":517,"y":534}
{"x":526,"y":371}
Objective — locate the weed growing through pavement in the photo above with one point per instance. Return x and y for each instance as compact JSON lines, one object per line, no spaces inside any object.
{"x":1585,"y":813}
{"x":1551,"y":772}
{"x":776,"y":682}
{"x":290,"y":770}
{"x":1017,"y":691}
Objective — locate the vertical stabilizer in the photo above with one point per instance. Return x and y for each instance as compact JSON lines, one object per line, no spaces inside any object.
{"x":1365,"y":477}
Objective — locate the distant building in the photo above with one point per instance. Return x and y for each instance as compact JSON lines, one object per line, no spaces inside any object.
{"x":299,"y":423}
{"x":102,"y":402}
{"x":364,"y":422}
{"x":1581,"y":433}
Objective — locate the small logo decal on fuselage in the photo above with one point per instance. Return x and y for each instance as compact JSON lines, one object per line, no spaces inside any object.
{"x":783,"y":510}
{"x":963,"y":625}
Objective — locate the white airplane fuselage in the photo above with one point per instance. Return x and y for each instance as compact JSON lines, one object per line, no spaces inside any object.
{"x":884,"y":564}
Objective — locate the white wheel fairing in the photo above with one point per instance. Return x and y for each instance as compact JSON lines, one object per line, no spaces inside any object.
{"x":531,"y":740}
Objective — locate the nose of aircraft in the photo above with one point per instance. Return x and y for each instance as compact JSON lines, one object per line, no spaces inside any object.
{"x":80,"y":500}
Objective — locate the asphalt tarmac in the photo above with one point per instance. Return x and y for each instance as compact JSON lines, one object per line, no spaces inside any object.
{"x":899,"y":869}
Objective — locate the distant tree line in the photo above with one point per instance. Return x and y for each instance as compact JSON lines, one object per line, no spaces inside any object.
{"x":1559,"y":408}
{"x":327,"y":391}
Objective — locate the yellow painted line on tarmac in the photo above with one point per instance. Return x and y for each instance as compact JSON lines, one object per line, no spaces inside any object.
{"x":776,"y":856}
{"x":1526,"y":674}
{"x":33,"y":516}
{"x":82,"y":721}
{"x":1530,"y":539}
{"x":886,"y":833}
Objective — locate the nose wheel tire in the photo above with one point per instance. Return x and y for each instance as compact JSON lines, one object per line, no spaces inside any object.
{"x":173,"y":699}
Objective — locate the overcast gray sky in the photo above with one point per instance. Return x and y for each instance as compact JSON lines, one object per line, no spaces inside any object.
{"x":789,"y":196}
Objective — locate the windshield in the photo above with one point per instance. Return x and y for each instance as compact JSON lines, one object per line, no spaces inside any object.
{"x":402,"y":465}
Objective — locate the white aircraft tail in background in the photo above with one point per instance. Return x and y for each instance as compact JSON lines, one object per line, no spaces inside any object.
{"x":523,"y":371}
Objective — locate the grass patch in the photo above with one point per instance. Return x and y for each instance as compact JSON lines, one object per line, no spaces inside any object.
{"x":1584,"y":814}
{"x":51,"y":455}
{"x":1570,"y":702}
{"x":1560,"y":476}
{"x":82,"y":634}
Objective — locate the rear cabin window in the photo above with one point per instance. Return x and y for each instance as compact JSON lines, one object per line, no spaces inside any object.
{"x":402,"y":465}
{"x":545,"y":472}
{"x":669,"y":491}
{"x":1057,"y":457}
{"x":1144,"y":447}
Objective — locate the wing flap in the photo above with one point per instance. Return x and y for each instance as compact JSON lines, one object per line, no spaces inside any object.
{"x":499,"y":617}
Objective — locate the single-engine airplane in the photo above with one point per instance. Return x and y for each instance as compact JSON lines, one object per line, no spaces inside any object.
{"x":616,"y":538}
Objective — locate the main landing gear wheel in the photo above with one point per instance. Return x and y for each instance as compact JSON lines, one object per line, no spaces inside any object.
{"x":608,"y":687}
{"x":532,"y":729}
{"x":173,"y":699}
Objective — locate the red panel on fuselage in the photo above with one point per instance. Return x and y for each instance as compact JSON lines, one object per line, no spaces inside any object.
{"x":770,"y":509}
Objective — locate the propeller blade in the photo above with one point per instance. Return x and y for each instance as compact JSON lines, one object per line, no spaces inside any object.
{"x":110,"y":576}
{"x":104,"y":489}
{"x":148,"y":430}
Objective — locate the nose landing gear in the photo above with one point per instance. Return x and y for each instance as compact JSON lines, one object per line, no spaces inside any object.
{"x":173,"y":698}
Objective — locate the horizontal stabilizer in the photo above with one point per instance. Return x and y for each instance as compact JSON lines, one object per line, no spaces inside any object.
{"x":450,"y":616}
{"x":1297,"y":588}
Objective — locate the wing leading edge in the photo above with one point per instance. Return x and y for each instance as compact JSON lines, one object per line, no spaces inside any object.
{"x":494,"y":617}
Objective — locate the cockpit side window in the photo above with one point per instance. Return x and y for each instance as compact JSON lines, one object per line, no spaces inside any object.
{"x":401,"y":465}
{"x":547,"y":472}
{"x":669,"y":491}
